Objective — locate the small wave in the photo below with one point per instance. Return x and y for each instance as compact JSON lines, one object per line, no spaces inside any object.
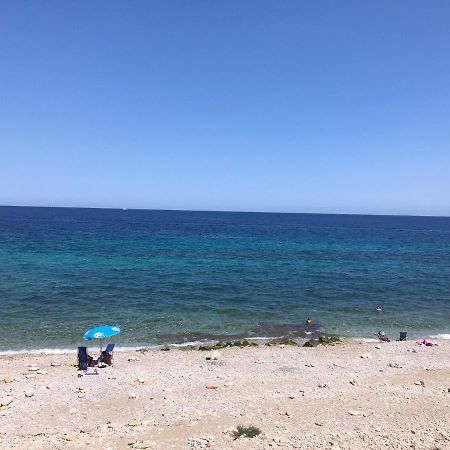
{"x":38,"y":351}
{"x":64,"y":351}
{"x":440,"y":336}
{"x":364,"y":339}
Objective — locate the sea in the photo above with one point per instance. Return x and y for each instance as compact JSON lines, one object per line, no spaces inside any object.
{"x":180,"y":277}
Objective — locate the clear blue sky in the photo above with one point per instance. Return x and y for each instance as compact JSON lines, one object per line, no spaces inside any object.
{"x":308,"y":106}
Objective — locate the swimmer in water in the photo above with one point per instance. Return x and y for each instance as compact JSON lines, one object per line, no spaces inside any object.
{"x":309,"y":321}
{"x":378,"y":309}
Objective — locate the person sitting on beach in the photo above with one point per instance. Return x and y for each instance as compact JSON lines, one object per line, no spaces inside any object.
{"x":308,"y":321}
{"x":91,"y":361}
{"x":382,"y":336}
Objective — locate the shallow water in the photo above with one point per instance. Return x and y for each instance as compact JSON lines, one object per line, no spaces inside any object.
{"x":175,"y":276}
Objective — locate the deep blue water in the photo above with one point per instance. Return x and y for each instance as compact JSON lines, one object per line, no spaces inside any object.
{"x":168,"y":276}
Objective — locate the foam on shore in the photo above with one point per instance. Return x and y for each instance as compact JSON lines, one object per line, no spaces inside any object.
{"x":64,"y":351}
{"x":441,"y":336}
{"x":259,"y":339}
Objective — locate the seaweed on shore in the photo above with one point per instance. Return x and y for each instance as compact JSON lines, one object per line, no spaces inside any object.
{"x":328,"y":339}
{"x":323,"y":340}
{"x":311,"y":343}
{"x":220,"y":345}
{"x":289,"y":342}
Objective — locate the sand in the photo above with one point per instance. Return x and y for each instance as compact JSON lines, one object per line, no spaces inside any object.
{"x":300,"y":398}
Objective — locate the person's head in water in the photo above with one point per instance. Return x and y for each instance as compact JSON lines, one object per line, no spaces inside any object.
{"x":378,"y":308}
{"x":308,"y":321}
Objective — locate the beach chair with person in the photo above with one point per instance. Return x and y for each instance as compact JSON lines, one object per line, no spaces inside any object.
{"x":382,"y":337}
{"x":107,"y":355}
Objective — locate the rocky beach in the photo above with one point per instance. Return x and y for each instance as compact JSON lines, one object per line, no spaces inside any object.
{"x":352,"y":395}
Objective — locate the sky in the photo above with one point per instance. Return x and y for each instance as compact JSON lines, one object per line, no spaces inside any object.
{"x":254,"y":105}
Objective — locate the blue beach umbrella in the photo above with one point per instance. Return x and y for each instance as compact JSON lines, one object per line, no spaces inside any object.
{"x":103,"y":332}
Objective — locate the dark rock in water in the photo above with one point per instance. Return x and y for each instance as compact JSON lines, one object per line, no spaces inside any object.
{"x":286,"y":330}
{"x":277,"y":331}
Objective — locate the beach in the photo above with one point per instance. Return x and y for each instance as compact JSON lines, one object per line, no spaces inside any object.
{"x":353,"y":395}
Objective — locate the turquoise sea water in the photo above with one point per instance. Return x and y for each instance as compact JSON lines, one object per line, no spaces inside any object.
{"x":175,"y":276}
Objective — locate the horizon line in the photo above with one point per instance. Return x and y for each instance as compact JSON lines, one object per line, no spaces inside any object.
{"x":226,"y":211}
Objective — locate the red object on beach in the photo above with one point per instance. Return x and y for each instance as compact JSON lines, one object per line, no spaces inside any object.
{"x":426,"y":343}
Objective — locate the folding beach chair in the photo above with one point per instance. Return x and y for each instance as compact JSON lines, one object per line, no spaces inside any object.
{"x":402,"y":336}
{"x":82,"y":358}
{"x":107,"y":355}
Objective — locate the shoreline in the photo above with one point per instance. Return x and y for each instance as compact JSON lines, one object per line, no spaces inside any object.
{"x":260,"y":341}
